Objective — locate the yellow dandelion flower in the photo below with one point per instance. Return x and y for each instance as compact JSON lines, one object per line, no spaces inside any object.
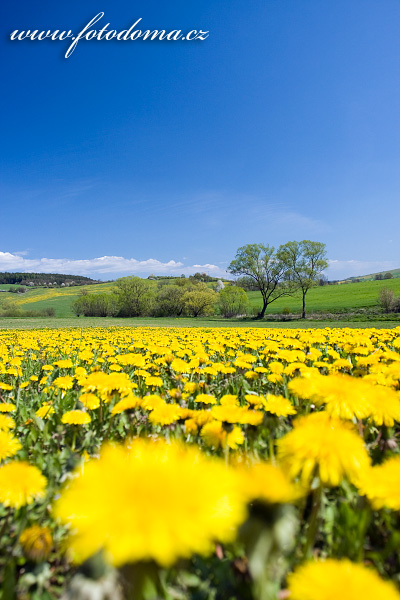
{"x":132,"y":360}
{"x":384,"y":405}
{"x":6,"y":407}
{"x":128,"y":403}
{"x":255,"y":400}
{"x":278,"y":405}
{"x":325,"y":446}
{"x":243,"y":361}
{"x":206,"y":399}
{"x":34,"y":378}
{"x":9,"y":445}
{"x":151,"y":402}
{"x":64,"y":383}
{"x":237,"y":414}
{"x":229,"y":399}
{"x":180,"y":366}
{"x":275,"y":378}
{"x":80,"y":372}
{"x":191,"y":426}
{"x":202,"y":417}
{"x":76,"y":417}
{"x":45,"y":411}
{"x":215,"y":436}
{"x":157,"y":488}
{"x":235,"y":438}
{"x":64,"y":363}
{"x":89,"y":401}
{"x":20,"y":484}
{"x":251,"y":375}
{"x":276,"y":367}
{"x":190,"y":387}
{"x":115,"y":368}
{"x":6,"y":423}
{"x":106,"y":384}
{"x":342,"y":395}
{"x":5,"y":386}
{"x":154,"y":381}
{"x":269,"y":483}
{"x":165,"y":414}
{"x":381,"y":484}
{"x":330,"y":579}
{"x":36,"y":542}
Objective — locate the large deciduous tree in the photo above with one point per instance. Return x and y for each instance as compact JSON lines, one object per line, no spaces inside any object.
{"x":306,"y":260}
{"x":266,"y":268}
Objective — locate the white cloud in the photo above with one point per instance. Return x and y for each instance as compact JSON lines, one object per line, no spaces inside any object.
{"x":339,"y":269}
{"x":99,"y":266}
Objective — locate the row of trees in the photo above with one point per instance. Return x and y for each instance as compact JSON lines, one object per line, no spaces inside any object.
{"x":275,"y":273}
{"x":292,"y":267}
{"x":44,"y":279}
{"x":136,"y":297}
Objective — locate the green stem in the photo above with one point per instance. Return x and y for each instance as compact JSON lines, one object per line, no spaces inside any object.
{"x":271,"y":448}
{"x":313,"y":525}
{"x":5,"y":524}
{"x":73,"y":439}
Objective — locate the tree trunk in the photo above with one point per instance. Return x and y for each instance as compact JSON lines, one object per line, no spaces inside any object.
{"x":303,"y":314}
{"x":264,"y":308}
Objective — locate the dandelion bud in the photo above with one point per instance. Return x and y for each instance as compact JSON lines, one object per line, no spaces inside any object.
{"x":36,"y":542}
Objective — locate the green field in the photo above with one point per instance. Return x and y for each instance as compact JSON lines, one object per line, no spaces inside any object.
{"x":332,"y":298}
{"x":329,"y":299}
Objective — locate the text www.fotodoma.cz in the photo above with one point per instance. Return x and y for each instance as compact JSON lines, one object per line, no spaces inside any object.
{"x":104,"y":33}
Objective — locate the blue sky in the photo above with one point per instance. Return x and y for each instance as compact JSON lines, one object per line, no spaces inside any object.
{"x":165,"y":157}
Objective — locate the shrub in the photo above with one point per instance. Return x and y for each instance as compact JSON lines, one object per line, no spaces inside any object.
{"x":396,"y":305}
{"x":96,"y":305}
{"x":386,"y":299}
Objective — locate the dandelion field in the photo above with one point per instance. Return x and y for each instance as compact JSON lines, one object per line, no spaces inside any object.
{"x":203,"y":463}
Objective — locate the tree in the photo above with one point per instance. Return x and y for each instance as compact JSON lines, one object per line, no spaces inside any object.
{"x":306,"y":261}
{"x":170,"y":302}
{"x":200,"y":300}
{"x":388,"y":275}
{"x":135,"y":296}
{"x":233,"y":301}
{"x":262,"y":264}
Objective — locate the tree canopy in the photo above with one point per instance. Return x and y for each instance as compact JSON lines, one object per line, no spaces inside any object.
{"x":305,"y":262}
{"x":266,"y":268}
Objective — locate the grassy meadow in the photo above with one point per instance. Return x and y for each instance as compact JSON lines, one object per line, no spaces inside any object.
{"x":333,"y":298}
